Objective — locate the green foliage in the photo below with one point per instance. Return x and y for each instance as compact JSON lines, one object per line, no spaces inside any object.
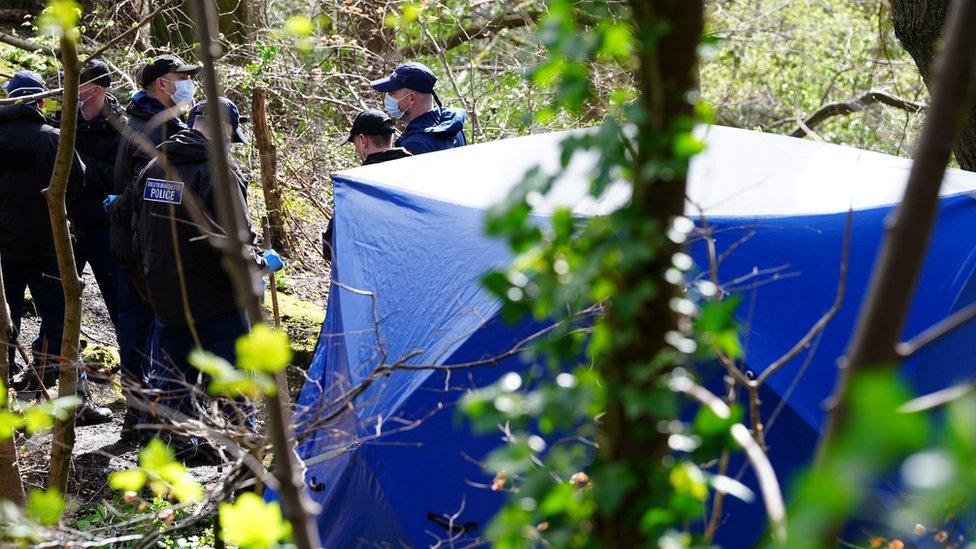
{"x":252,"y":523}
{"x":878,"y":437}
{"x":45,"y":506}
{"x":60,"y":17}
{"x":263,"y":350}
{"x":766,"y":68}
{"x":159,"y":469}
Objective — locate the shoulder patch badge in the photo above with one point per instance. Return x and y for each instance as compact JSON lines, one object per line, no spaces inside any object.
{"x":162,"y":190}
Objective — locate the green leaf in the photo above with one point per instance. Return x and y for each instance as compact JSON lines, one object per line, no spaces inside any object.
{"x":299,"y":25}
{"x":45,"y":507}
{"x":9,"y":423}
{"x":252,"y":523}
{"x":60,"y":17}
{"x":37,"y":419}
{"x":264,"y":350}
{"x":687,"y":478}
{"x":130,"y":480}
{"x":155,"y":456}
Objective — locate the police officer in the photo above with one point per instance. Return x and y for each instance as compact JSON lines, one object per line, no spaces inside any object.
{"x":28,"y":146}
{"x":372,"y":135}
{"x":188,"y":264}
{"x":98,"y":145}
{"x":410,"y":99}
{"x":154,"y":113}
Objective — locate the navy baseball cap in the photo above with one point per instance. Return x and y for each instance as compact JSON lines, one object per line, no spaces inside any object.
{"x":371,"y":122}
{"x":233,"y":117}
{"x":413,"y":76}
{"x":25,"y":83}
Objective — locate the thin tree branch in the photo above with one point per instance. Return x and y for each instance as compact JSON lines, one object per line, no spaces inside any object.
{"x":26,"y":45}
{"x":857,"y":104}
{"x":824,"y":320}
{"x":768,"y":484}
{"x":937,"y":331}
{"x":507,"y":20}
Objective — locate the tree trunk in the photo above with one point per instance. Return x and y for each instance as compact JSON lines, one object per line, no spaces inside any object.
{"x":919,"y":27}
{"x":630,"y":440}
{"x":882,"y":318}
{"x":269,"y":170}
{"x":64,"y":431}
{"x":11,"y":485}
{"x":296,"y":507}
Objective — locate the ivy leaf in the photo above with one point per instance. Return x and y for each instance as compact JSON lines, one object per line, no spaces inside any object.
{"x":251,"y":523}
{"x":130,"y":480}
{"x":45,"y":507}
{"x":264,"y":350}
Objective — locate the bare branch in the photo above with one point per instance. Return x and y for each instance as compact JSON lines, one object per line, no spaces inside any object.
{"x":26,"y":45}
{"x":859,"y":103}
{"x":938,"y":398}
{"x":506,"y":20}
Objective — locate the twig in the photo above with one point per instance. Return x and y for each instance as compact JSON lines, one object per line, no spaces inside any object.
{"x":108,"y":45}
{"x":938,"y":398}
{"x":937,"y":331}
{"x":825,"y":319}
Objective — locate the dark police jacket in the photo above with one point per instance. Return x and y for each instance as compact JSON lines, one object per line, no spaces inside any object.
{"x":130,"y":160}
{"x":436,"y":130}
{"x":97,"y":143}
{"x":28,"y":145}
{"x":161,"y":206}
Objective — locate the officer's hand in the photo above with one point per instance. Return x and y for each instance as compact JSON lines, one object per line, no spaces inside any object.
{"x":108,"y":201}
{"x":273,"y":260}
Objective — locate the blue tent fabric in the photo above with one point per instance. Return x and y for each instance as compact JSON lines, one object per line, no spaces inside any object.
{"x":397,"y":466}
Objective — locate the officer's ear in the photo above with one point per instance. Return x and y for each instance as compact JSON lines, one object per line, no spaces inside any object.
{"x":40,"y":104}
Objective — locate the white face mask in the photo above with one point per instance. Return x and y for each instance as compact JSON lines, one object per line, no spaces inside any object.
{"x":185,"y":89}
{"x":393,"y":107}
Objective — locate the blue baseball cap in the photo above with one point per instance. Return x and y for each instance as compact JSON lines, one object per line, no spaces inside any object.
{"x":25,"y":83}
{"x":413,"y":76}
{"x":233,"y":117}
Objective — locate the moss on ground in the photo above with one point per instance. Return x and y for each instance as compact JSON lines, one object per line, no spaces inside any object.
{"x":302,"y":320}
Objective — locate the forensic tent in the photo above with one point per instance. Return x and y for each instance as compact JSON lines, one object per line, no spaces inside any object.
{"x":388,"y":457}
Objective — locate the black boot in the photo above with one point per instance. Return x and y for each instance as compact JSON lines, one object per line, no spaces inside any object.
{"x":130,"y":434}
{"x":89,"y":413}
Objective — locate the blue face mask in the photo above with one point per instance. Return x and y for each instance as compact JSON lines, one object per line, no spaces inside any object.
{"x":184,"y":92}
{"x":393,"y":108}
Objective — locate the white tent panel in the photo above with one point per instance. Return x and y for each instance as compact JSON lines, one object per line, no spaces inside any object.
{"x":741,"y":173}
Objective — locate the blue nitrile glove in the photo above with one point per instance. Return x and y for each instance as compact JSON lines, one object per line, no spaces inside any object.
{"x":273,"y":260}
{"x":108,"y":201}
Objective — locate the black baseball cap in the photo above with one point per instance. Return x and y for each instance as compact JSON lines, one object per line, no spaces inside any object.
{"x":233,"y":117}
{"x":163,"y":65}
{"x":97,"y":72}
{"x":371,"y":122}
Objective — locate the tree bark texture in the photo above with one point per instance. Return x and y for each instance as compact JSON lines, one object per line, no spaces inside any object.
{"x":11,"y":485}
{"x":668,"y":33}
{"x":919,"y":27}
{"x":268,"y":154}
{"x":64,"y":431}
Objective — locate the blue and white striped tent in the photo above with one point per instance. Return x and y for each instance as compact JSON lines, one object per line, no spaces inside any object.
{"x":399,"y":467}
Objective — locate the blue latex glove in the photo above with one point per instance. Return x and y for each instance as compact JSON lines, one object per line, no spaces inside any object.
{"x":108,"y":201}
{"x":273,"y":260}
